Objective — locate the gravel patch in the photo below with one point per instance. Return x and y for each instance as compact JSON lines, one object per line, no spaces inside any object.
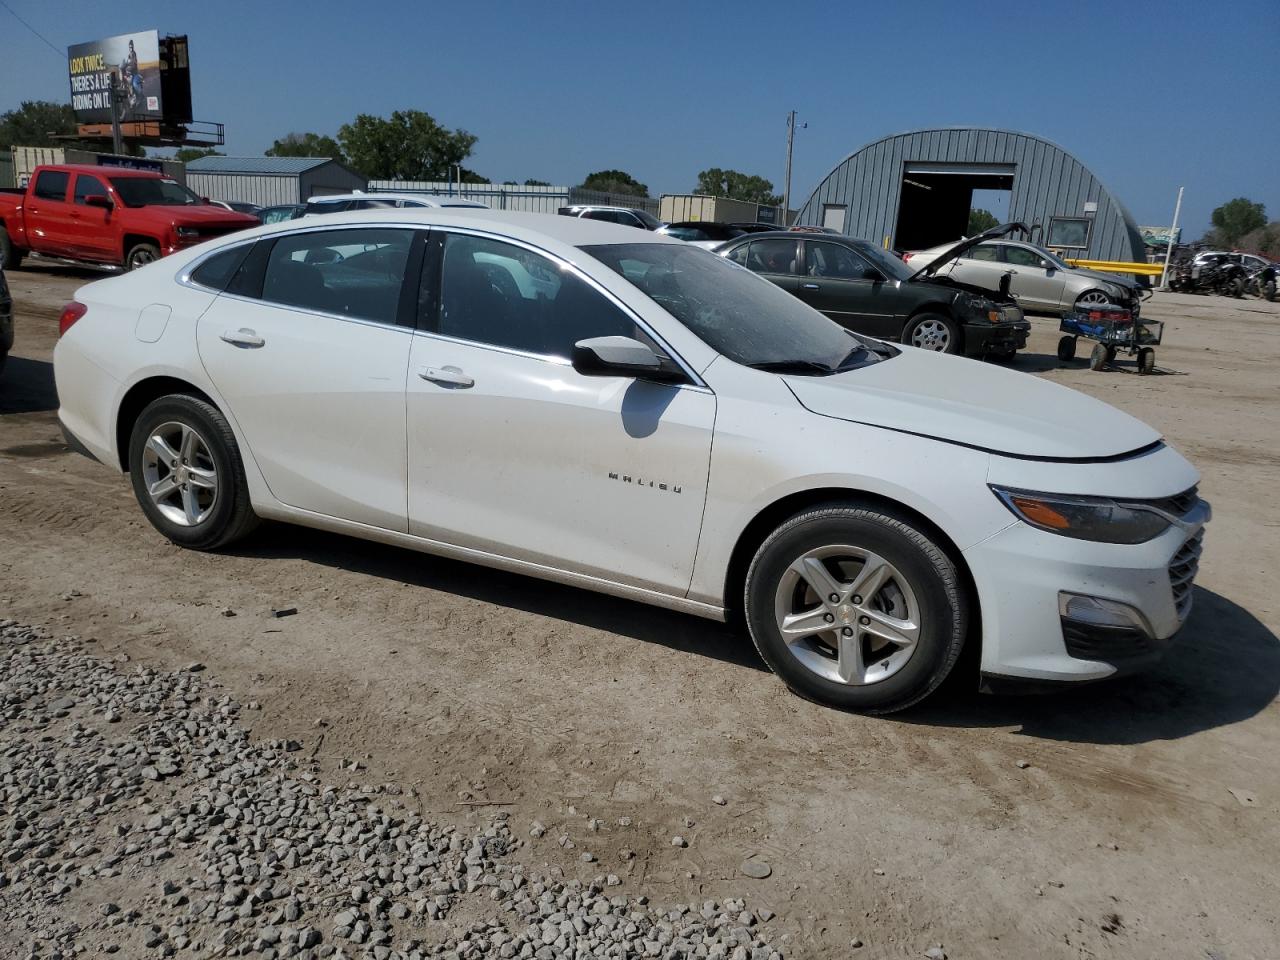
{"x":138,"y":818}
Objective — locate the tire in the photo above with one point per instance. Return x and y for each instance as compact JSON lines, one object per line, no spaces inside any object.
{"x":10,"y":256}
{"x":1269,"y":291}
{"x":1091,"y":298}
{"x":1098,"y":358}
{"x":1067,"y":349}
{"x":1146,"y":361}
{"x":214,"y":516}
{"x":1111,"y":354}
{"x":140,"y":254}
{"x":933,"y":331}
{"x":919,"y":587}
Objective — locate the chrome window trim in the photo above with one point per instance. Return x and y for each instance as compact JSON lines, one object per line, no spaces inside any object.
{"x":581,"y":275}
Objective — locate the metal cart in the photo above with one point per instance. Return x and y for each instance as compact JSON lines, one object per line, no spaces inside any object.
{"x":1114,"y":329}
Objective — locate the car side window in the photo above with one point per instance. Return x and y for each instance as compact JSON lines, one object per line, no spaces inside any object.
{"x":1022,"y":257}
{"x":503,"y":295}
{"x":775,"y":255}
{"x":375,"y":203}
{"x":983,"y":251}
{"x":87,"y":186}
{"x":52,"y":185}
{"x":739,"y":254}
{"x":834,"y":261}
{"x":216,"y":272}
{"x":356,"y":272}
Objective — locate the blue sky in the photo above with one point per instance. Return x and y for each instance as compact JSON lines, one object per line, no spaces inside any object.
{"x":1149,"y":95}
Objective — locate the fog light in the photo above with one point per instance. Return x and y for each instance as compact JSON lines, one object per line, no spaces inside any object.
{"x":1098,"y":612}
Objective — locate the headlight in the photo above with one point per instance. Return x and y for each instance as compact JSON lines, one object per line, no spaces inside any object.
{"x":1084,"y":518}
{"x":188,"y":233}
{"x":980,"y":308}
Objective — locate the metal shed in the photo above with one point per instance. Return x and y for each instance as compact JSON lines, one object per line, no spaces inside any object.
{"x":270,"y":180}
{"x":915,"y":189}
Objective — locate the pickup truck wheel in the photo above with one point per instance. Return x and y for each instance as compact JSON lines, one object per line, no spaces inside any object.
{"x":10,"y":256}
{"x":854,"y":607}
{"x":933,"y":331}
{"x":140,"y":255}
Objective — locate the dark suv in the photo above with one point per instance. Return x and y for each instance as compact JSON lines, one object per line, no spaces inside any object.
{"x":867,"y":289}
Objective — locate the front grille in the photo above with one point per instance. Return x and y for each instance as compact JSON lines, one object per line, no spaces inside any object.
{"x":1182,"y":573}
{"x":1179,"y":505}
{"x":1114,"y":645}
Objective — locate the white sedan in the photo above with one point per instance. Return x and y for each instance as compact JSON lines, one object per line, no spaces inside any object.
{"x":627,"y":413}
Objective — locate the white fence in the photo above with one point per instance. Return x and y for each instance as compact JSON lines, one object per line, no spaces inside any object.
{"x":500,"y":196}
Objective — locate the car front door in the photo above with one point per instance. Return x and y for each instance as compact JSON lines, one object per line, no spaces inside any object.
{"x":844,"y":286}
{"x":309,"y":347}
{"x":774,"y":258}
{"x":94,"y":240}
{"x":1036,"y":282}
{"x":513,"y":453}
{"x":50,"y":226}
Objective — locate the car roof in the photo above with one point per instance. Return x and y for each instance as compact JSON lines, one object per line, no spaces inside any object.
{"x":430,"y":198}
{"x":574,"y":231}
{"x":104,"y":170}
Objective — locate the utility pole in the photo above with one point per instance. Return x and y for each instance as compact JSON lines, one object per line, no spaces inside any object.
{"x":1168,"y":251}
{"x":786,"y":188}
{"x":117,"y":96}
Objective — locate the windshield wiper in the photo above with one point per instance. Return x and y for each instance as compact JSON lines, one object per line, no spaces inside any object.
{"x":792,"y":366}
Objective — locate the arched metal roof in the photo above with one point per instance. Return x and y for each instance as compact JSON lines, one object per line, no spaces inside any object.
{"x":1047,"y":182}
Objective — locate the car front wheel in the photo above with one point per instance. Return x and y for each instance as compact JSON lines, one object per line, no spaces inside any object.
{"x":856,"y":607}
{"x":187,"y":473}
{"x":933,"y":331}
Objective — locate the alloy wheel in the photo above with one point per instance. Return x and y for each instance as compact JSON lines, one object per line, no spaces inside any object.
{"x":1093,"y":298}
{"x":140,"y":258}
{"x":847,"y":615}
{"x":180,"y":474}
{"x":931,"y":335}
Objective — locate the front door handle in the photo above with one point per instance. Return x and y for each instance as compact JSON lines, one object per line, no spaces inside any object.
{"x":244,"y":337}
{"x":446,"y":376}
{"x":810,"y":286}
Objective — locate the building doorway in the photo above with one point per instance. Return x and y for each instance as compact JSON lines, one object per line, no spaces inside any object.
{"x":935,"y":200}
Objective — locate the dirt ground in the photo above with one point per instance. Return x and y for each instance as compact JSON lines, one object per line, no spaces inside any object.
{"x":1146,"y":823}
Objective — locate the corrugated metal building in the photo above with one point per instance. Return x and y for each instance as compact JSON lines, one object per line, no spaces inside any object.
{"x":915,"y":189}
{"x":267,"y":181}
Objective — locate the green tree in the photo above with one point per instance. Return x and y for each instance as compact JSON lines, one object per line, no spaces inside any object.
{"x":1264,"y":240}
{"x":980,"y":220}
{"x":187,"y":154}
{"x":306,"y":145}
{"x":409,"y":145}
{"x":536,"y":183}
{"x":36,"y":123}
{"x":615,"y":181}
{"x":737,"y":186}
{"x":1237,"y":217}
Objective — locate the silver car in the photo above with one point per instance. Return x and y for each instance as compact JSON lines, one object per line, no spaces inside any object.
{"x":1040,"y":280}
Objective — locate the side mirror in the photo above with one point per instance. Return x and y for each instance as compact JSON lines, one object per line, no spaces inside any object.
{"x":1046,"y":265}
{"x":622,"y":357}
{"x":98,"y":200}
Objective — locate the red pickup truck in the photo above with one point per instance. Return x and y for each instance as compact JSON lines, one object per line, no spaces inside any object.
{"x":106,"y":215}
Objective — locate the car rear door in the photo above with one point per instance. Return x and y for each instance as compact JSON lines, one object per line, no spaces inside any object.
{"x":849,"y":289}
{"x":50,"y":227}
{"x":308,"y":347}
{"x":514,"y":453}
{"x":777,"y":259}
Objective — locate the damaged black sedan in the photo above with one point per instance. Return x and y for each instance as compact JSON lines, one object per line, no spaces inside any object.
{"x":869,"y":290}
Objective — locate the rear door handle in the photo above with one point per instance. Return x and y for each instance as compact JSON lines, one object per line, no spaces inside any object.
{"x":810,"y":286}
{"x":244,"y":337}
{"x":446,"y":376}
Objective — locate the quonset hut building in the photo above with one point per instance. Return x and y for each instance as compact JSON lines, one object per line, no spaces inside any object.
{"x":916,"y":190}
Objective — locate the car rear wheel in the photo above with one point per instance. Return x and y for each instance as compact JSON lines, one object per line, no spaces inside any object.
{"x":855,"y":607}
{"x":140,"y":255}
{"x":10,"y":257}
{"x":933,"y":331}
{"x":187,"y":473}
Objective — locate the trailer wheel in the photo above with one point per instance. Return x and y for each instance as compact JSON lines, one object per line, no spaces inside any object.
{"x":1111,"y":354}
{"x":1067,"y":349}
{"x":1146,"y":361}
{"x":1098,"y":358}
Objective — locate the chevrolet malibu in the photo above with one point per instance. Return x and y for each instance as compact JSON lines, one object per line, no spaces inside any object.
{"x":627,"y":413}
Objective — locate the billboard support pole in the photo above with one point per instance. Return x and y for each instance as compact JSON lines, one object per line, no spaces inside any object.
{"x":117,"y":140}
{"x":1168,"y":250}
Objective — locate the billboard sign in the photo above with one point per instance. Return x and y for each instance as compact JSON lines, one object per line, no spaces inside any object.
{"x":1160,"y":236}
{"x":135,"y":60}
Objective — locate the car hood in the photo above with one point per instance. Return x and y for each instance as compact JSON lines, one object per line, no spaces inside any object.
{"x":974,"y":404}
{"x":1111,"y":278}
{"x":194,"y":215}
{"x":953,"y":251}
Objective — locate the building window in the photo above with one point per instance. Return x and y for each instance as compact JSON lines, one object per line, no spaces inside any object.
{"x":1071,"y":232}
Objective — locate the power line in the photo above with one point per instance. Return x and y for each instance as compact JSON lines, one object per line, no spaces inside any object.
{"x":59,"y":52}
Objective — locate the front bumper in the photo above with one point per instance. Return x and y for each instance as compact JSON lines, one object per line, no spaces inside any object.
{"x":1021,"y":574}
{"x":986,"y":337}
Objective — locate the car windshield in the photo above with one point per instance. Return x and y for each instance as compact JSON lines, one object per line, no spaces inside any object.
{"x":648,"y":219}
{"x":153,"y":192}
{"x":885,"y":262}
{"x":735,"y":312}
